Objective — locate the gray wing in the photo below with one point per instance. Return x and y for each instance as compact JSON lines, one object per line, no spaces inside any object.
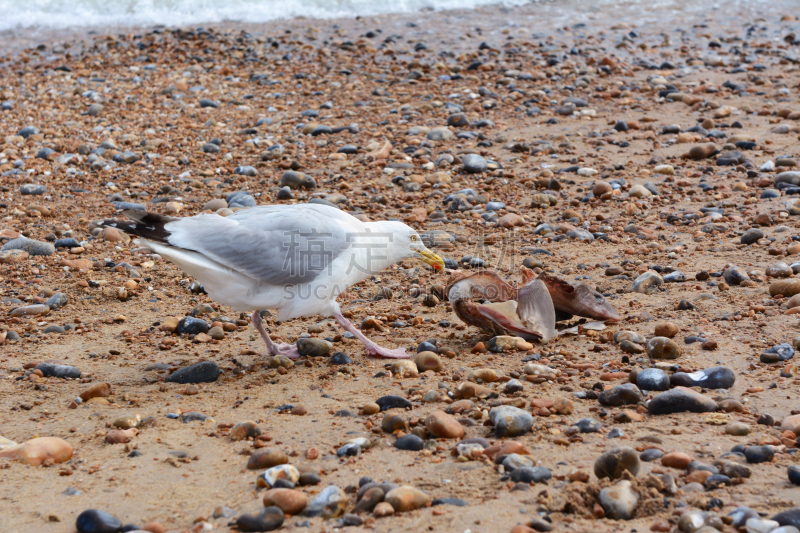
{"x":277,"y":245}
{"x":535,"y":306}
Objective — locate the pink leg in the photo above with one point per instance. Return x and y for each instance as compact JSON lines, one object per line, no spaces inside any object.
{"x":287,"y":350}
{"x":372,"y":347}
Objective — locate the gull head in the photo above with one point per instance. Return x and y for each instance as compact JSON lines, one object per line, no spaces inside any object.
{"x":408,"y":244}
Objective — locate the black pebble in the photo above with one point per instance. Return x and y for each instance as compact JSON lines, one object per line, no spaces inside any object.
{"x":340,"y":358}
{"x":50,"y":370}
{"x":794,"y":474}
{"x":449,"y":501}
{"x":392,"y":402}
{"x":94,"y":521}
{"x":267,"y":520}
{"x":192,"y":325}
{"x":758,"y":454}
{"x":308,"y":478}
{"x":203,"y":372}
{"x":651,"y":455}
{"x":535,"y":474}
{"x":410,"y":443}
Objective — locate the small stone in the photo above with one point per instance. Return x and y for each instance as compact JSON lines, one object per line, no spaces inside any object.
{"x":474,"y":164}
{"x":737,"y":429}
{"x":192,"y":326}
{"x":588,"y":425}
{"x":652,"y":379}
{"x":627,"y":393}
{"x":382,"y":510}
{"x":29,"y":246}
{"x":680,"y":400}
{"x":331,"y":502}
{"x":535,"y":474}
{"x":428,"y":361}
{"x":265,"y":458}
{"x":758,"y":454}
{"x":613,"y":463}
{"x":510,"y":421}
{"x":663,"y":348}
{"x":203,"y":372}
{"x":794,"y":474}
{"x":290,"y":501}
{"x":95,"y":521}
{"x":647,"y":282}
{"x":37,"y":451}
{"x":407,"y":498}
{"x":392,"y":402}
{"x":619,"y":502}
{"x":269,"y":519}
{"x":666,"y":329}
{"x":718,"y":377}
{"x":443,"y":426}
{"x":751,"y":236}
{"x":246,"y":430}
{"x":310,"y":347}
{"x":410,"y":442}
{"x":49,"y":370}
{"x":678,"y":460}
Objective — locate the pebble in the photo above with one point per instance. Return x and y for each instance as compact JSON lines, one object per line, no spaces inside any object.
{"x":428,"y":360}
{"x":535,"y":474}
{"x":58,"y":371}
{"x":794,"y":474}
{"x":676,"y":460}
{"x":203,"y":372}
{"x":663,"y":348}
{"x":474,"y":164}
{"x":718,"y":377}
{"x":613,"y":463}
{"x":393,"y":402}
{"x":265,"y":458}
{"x":407,"y":498}
{"x":652,"y":379}
{"x":443,"y":426}
{"x":777,"y":353}
{"x":410,"y":443}
{"x":680,"y":400}
{"x":29,"y":246}
{"x":752,"y":236}
{"x":588,"y":425}
{"x":790,"y":517}
{"x":271,"y":476}
{"x":331,"y":502}
{"x":310,"y":347}
{"x":269,"y":519}
{"x":32,"y":189}
{"x":619,"y":501}
{"x":38,"y":451}
{"x":510,"y":421}
{"x":192,"y":326}
{"x":624,"y":394}
{"x":758,"y":454}
{"x":96,"y":521}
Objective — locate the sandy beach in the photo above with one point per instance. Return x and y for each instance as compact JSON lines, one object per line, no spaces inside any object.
{"x":648,"y":150}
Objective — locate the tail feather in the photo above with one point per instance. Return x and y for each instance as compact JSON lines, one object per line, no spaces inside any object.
{"x":150,"y":226}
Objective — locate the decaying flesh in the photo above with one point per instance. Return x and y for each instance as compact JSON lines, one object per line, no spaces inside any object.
{"x":486,"y":301}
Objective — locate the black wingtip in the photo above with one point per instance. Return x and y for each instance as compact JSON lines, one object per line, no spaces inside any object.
{"x":150,"y":226}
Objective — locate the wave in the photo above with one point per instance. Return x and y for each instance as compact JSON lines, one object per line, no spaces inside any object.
{"x":75,"y":13}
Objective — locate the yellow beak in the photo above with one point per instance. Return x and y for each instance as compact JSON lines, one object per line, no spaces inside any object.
{"x":431,"y":258}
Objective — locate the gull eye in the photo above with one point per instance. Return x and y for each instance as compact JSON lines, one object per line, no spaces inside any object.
{"x":413,"y":238}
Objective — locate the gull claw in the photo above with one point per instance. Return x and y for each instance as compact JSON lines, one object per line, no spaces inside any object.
{"x":286,"y":350}
{"x":389,"y":353}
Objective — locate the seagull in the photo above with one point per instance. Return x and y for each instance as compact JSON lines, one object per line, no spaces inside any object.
{"x":293,"y":258}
